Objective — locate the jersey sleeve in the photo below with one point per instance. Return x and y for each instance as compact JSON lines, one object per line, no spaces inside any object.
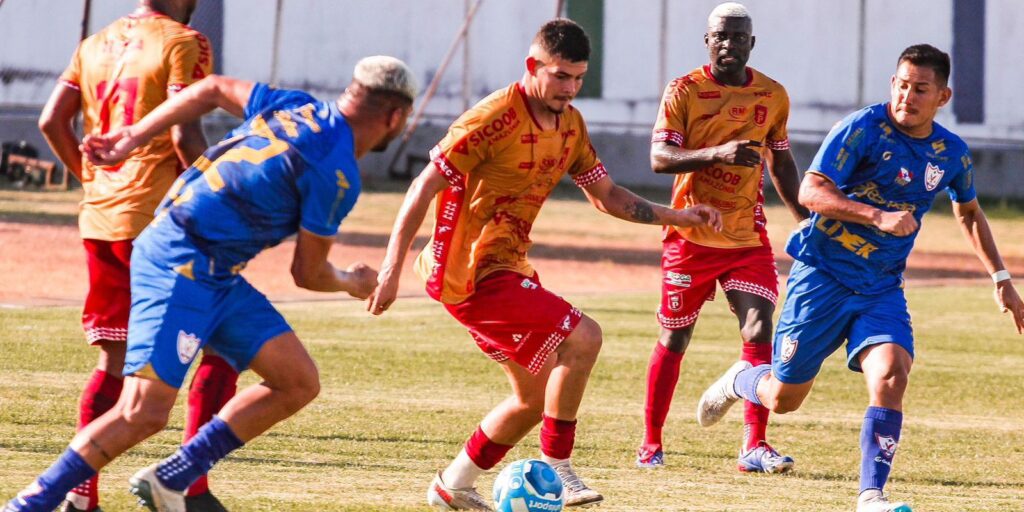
{"x":778,"y":135}
{"x":668,"y":127}
{"x":264,"y":97}
{"x":961,"y":189}
{"x":844,"y":146}
{"x":586,"y":168}
{"x":72,"y":75}
{"x":463,"y":148}
{"x":188,"y":59}
{"x":327,"y":198}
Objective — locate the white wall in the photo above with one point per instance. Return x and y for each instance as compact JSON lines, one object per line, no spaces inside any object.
{"x":810,"y":46}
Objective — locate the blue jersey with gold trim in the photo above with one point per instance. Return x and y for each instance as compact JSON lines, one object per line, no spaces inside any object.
{"x":291,"y":164}
{"x":874,"y":163}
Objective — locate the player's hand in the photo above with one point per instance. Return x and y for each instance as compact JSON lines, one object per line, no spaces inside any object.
{"x":1010,"y":302}
{"x":362,"y":280}
{"x":739,"y":152}
{"x":699,"y":215}
{"x":109,"y":148}
{"x":899,"y":223}
{"x":384,"y":295}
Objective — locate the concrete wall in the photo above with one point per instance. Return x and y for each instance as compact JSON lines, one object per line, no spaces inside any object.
{"x":811,"y":46}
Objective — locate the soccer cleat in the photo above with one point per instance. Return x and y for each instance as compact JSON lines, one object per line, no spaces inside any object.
{"x":152,"y":494}
{"x":650,"y":456}
{"x":574,"y":492}
{"x":442,"y":497}
{"x":205,"y":502}
{"x":718,"y":398}
{"x":872,"y":500}
{"x":764,"y":459}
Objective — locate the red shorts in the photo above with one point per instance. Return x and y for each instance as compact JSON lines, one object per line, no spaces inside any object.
{"x":105,"y":316}
{"x":511,"y":316}
{"x":689,"y":272}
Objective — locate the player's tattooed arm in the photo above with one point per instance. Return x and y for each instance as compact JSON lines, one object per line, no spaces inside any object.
{"x":619,"y":202}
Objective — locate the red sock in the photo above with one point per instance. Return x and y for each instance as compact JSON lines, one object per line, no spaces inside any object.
{"x":755,"y":417}
{"x":99,"y":396}
{"x":557,"y":437}
{"x":212,"y":386}
{"x":483,"y":452}
{"x":662,"y":376}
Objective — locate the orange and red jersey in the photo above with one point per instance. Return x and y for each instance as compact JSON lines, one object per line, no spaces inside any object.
{"x":699,"y":112}
{"x":501,"y":166}
{"x":123,"y":72}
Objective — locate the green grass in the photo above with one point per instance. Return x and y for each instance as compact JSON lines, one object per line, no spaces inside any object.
{"x":402,"y":392}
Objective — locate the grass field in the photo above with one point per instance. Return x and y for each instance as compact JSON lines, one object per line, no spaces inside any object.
{"x":401,"y":393}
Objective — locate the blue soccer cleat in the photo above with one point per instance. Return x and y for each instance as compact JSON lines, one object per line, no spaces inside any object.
{"x":650,"y":456}
{"x":764,"y":459}
{"x":872,"y":500}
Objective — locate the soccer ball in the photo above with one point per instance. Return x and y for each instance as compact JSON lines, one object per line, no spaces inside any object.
{"x":528,"y":485}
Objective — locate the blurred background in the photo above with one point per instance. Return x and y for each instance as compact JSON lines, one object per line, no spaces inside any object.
{"x":833,"y":56}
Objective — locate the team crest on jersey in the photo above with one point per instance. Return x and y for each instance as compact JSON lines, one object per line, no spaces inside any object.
{"x":888,"y":445}
{"x":188,"y":347}
{"x":567,"y":323}
{"x":675,"y":301}
{"x":677,"y":279}
{"x":904,"y":176}
{"x":932,"y":176}
{"x":760,"y":114}
{"x":789,"y":346}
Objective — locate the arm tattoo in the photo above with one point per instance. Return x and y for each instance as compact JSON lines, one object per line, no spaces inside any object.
{"x":641,"y":211}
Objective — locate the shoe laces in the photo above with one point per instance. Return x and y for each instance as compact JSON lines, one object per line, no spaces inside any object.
{"x":570,"y":480}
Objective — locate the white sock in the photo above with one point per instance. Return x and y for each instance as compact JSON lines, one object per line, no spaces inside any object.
{"x":462,"y":472}
{"x":553,"y":461}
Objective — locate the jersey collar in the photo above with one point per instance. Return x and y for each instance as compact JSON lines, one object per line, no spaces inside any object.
{"x":709,"y":74}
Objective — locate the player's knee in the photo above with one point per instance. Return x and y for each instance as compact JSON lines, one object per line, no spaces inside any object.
{"x":891,"y":385}
{"x":145,"y":419}
{"x":676,"y":340}
{"x":305,"y":390}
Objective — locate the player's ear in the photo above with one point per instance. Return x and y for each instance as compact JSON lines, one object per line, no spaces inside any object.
{"x":944,"y":95}
{"x":706,"y":42}
{"x":531,"y":65}
{"x":753,"y":40}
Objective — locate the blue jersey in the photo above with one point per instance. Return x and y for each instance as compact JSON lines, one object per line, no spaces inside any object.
{"x":291,"y":164}
{"x":874,"y":163}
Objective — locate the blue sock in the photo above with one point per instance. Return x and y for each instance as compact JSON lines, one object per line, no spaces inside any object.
{"x":879,"y":438}
{"x":746,"y":382}
{"x":213,"y":442}
{"x":48,"y":491}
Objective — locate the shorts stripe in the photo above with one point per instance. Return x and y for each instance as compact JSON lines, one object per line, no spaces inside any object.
{"x":751,"y":288}
{"x":677,"y":323}
{"x":94,"y":334}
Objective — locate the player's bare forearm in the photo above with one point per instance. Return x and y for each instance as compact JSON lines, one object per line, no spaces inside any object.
{"x":786,"y":178}
{"x":193,"y":102}
{"x":622,"y":203}
{"x":55,"y":123}
{"x":819,"y":194}
{"x":976,"y":229}
{"x":311,"y":269}
{"x":669,"y":159}
{"x":410,"y":217}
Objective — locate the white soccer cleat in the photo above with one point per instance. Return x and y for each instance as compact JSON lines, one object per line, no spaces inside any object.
{"x":442,"y":497}
{"x":872,"y":500}
{"x":718,"y":398}
{"x":575,"y":493}
{"x":152,"y":494}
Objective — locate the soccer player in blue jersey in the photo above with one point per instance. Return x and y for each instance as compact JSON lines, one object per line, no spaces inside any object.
{"x":289,"y":168}
{"x":869,"y":186}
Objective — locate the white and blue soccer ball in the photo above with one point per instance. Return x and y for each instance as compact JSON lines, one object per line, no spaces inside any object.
{"x":528,"y":485}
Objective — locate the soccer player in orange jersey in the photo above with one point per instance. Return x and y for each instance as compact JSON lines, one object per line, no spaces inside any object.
{"x":718,"y":127}
{"x":115,"y":78}
{"x":491,"y":174}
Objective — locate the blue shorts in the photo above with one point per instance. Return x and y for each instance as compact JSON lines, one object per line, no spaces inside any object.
{"x":173,"y":316}
{"x":820,"y":313}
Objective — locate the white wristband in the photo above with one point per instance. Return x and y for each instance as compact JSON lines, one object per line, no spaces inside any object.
{"x":1002,"y":275}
